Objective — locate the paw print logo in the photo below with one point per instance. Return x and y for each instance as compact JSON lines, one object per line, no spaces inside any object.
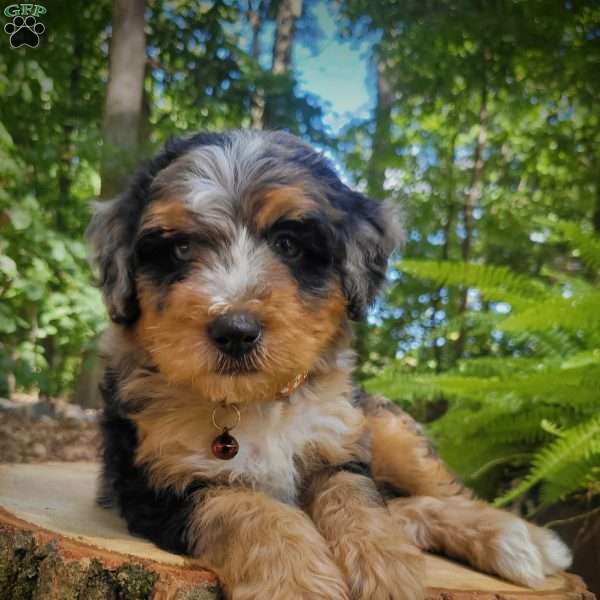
{"x":24,"y":32}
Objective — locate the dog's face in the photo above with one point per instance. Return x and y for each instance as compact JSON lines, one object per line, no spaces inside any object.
{"x":235,"y":261}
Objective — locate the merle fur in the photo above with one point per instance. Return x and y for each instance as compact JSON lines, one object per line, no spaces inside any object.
{"x":360,"y":214}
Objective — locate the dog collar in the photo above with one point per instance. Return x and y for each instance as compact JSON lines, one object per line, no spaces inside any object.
{"x":225,"y":446}
{"x":293,"y":385}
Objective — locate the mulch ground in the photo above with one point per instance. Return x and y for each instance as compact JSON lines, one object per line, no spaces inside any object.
{"x":27,"y":440}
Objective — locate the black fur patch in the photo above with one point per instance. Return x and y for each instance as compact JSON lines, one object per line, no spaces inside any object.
{"x":356,"y":467}
{"x":321,"y":253}
{"x":155,"y":257}
{"x":359,"y":211}
{"x":161,"y":516}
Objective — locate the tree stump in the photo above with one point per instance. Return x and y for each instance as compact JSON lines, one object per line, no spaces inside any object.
{"x":56,"y":543}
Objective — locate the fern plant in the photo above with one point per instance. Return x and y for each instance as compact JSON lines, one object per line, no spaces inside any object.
{"x":519,"y":425}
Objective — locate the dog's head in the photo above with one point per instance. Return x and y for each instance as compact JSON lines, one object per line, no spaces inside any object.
{"x":235,"y":260}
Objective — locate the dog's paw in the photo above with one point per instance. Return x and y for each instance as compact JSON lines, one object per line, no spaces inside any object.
{"x":381,"y":566}
{"x":556,"y":556}
{"x":525,"y":554}
{"x":287,"y":572}
{"x":318,"y":583}
{"x":491,"y":540}
{"x":515,"y":556}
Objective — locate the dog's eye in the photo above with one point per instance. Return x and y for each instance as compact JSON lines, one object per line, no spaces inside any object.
{"x":182,"y":250}
{"x":288,"y":247}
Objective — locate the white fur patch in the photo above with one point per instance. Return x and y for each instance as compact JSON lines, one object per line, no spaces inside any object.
{"x":517,"y":557}
{"x":273,"y":435}
{"x":555,"y":554}
{"x":238,"y":275}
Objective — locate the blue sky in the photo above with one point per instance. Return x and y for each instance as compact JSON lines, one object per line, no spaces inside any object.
{"x":335,"y":70}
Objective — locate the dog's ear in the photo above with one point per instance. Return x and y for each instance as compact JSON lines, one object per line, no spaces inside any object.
{"x":373,"y":231}
{"x":111,"y":232}
{"x":114,"y":226}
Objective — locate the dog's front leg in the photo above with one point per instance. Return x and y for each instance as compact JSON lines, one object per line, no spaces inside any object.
{"x":263,"y":549}
{"x":377,"y":560}
{"x":490,"y":539}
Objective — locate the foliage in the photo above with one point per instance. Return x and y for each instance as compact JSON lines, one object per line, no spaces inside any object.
{"x":490,"y":321}
{"x":530,"y":419}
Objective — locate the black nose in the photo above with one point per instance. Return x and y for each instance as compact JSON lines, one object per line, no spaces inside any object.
{"x":235,"y":333}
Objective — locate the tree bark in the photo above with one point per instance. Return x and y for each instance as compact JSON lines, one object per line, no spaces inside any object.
{"x":36,"y":564}
{"x":596,"y":215}
{"x":471,"y":198}
{"x":381,"y":137}
{"x":123,"y":107}
{"x":474,"y":192}
{"x":288,"y":12}
{"x":445,"y":253}
{"x":86,"y":391}
{"x":256,"y":15}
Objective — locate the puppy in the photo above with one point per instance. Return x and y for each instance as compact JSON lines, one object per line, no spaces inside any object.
{"x":231,"y":269}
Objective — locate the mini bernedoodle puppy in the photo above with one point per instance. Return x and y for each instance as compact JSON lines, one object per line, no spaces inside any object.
{"x":231,"y":268}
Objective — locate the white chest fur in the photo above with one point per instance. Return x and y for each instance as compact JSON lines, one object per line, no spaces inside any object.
{"x":274,"y":436}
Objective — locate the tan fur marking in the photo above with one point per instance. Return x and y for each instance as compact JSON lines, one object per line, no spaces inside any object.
{"x":376,"y":559}
{"x":403,"y":458}
{"x":289,"y":201}
{"x":169,"y":214}
{"x":261,"y":548}
{"x":458,"y":527}
{"x":295,"y":335}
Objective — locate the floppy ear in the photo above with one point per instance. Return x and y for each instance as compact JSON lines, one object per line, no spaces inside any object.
{"x":111,"y":232}
{"x":114,"y":226}
{"x":374,"y":231}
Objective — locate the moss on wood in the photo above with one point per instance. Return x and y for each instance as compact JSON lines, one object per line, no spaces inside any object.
{"x":30,"y":570}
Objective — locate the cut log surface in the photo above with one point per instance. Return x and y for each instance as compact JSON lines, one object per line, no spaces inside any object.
{"x":56,"y":543}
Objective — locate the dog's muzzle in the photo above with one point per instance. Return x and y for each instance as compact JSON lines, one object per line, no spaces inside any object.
{"x":235,"y":334}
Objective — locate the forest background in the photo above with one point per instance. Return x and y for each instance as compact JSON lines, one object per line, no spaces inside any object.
{"x":482,"y":120}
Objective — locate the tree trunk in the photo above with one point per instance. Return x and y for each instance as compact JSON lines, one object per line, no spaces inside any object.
{"x":437,"y":295}
{"x":125,"y":118}
{"x":86,"y":391}
{"x":474,"y":192}
{"x":596,"y":215}
{"x":288,"y":12}
{"x":256,"y":16}
{"x":55,"y":542}
{"x":445,"y":254}
{"x":471,"y":198}
{"x":68,"y":149}
{"x":381,"y":137}
{"x":123,"y":107}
